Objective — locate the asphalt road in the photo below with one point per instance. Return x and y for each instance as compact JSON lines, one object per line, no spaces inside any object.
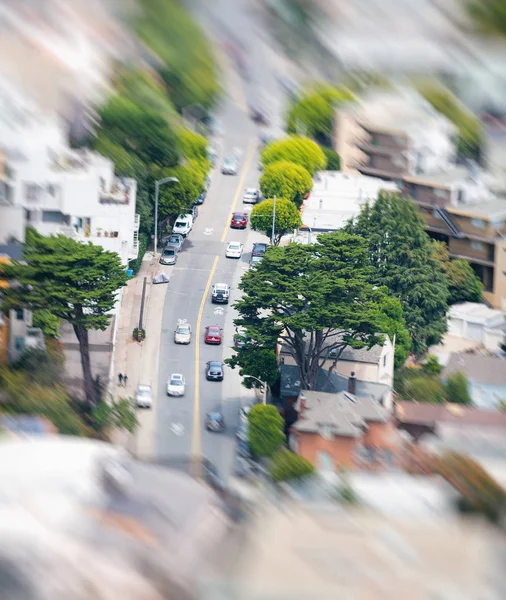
{"x":202,"y":262}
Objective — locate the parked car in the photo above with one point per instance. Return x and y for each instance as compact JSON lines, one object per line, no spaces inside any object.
{"x":259,"y":249}
{"x":220,"y":293}
{"x":207,"y":183}
{"x":144,"y":396}
{"x":243,"y":413}
{"x":213,"y":335}
{"x":214,"y":370}
{"x":183,"y":225}
{"x":175,"y":240}
{"x":234,"y":250}
{"x":251,"y":196}
{"x":169,"y":256}
{"x":201,"y":198}
{"x":243,"y":467}
{"x":183,"y":334}
{"x":254,"y":260}
{"x":229,"y":166}
{"x":176,"y":385}
{"x":242,"y":431}
{"x":215,"y":421}
{"x":194,"y":212}
{"x":240,"y":340}
{"x":239,"y":220}
{"x":259,"y":115}
{"x":243,"y":449}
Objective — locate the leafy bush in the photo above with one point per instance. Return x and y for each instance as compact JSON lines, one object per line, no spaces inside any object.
{"x":265,"y":430}
{"x":139,"y":334}
{"x":285,"y":179}
{"x":432,"y":366}
{"x":333,"y":159}
{"x":287,"y":218}
{"x":457,"y":389}
{"x":416,"y":385}
{"x":480,"y":492}
{"x":136,"y":264}
{"x":299,"y":150}
{"x":287,"y":466}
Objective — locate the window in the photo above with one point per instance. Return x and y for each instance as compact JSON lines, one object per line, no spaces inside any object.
{"x":52,"y":216}
{"x":385,"y":360}
{"x":461,"y":196}
{"x":20,"y":314}
{"x":31,"y":191}
{"x":20,"y":343}
{"x":439,"y":193}
{"x":480,"y":223}
{"x":476,"y":245}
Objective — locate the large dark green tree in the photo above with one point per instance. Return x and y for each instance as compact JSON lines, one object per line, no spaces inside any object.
{"x":75,"y":282}
{"x":402,"y":258}
{"x":314,"y":298}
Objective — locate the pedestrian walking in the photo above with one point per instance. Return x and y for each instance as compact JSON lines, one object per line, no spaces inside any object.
{"x":125,"y":380}
{"x":120,"y":379}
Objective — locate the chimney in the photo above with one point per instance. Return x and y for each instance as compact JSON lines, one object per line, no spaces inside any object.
{"x":352,"y":383}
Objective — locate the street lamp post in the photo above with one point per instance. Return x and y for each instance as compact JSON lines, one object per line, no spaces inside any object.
{"x":273,"y":221}
{"x":157,"y":188}
{"x":264,"y":387}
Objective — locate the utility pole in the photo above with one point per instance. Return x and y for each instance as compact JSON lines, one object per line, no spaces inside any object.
{"x":157,"y":189}
{"x":273,"y":221}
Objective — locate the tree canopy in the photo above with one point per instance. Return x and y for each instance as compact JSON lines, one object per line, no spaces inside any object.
{"x":314,"y":298}
{"x":75,"y":282}
{"x":489,"y":15}
{"x":333,"y":159}
{"x":402,"y":257}
{"x":313,"y":114}
{"x":457,"y":388}
{"x":299,"y":150}
{"x":285,"y":179}
{"x":177,"y":198}
{"x":287,"y":218}
{"x":287,"y":466}
{"x":258,"y":360}
{"x":463,"y":283}
{"x":265,"y":430}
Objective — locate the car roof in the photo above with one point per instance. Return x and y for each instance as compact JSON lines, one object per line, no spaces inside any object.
{"x":142,"y":387}
{"x":214,"y":363}
{"x":213,"y":327}
{"x":260,"y":244}
{"x":239,"y":214}
{"x":214,"y":414}
{"x":183,"y":325}
{"x":221,"y":285}
{"x":251,"y":190}
{"x":235,"y":244}
{"x":178,"y":235}
{"x":176,"y":376}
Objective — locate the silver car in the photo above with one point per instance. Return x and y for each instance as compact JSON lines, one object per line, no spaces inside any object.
{"x":183,"y":334}
{"x":251,"y":196}
{"x":169,"y":256}
{"x":176,"y":385}
{"x":144,"y":396}
{"x":229,"y":166}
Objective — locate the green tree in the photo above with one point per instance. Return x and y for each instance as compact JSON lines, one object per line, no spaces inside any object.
{"x":184,"y":56}
{"x":44,"y":367}
{"x":431,"y":365}
{"x":463,"y":283}
{"x":287,"y":466}
{"x":118,"y":414}
{"x":299,"y":150}
{"x":457,"y":389}
{"x":415,"y":385}
{"x":285,"y":179}
{"x":470,"y":130}
{"x":313,"y":114}
{"x":314,"y":298}
{"x":193,"y":145}
{"x":75,"y":282}
{"x":489,"y":15}
{"x":394,"y":325}
{"x":287,"y":218}
{"x":141,"y":132}
{"x":49,"y":324}
{"x":265,"y":430}
{"x":177,"y":198}
{"x":401,"y":254}
{"x":256,"y":360}
{"x":333,"y":159}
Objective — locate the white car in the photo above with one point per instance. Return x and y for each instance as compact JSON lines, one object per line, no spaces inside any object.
{"x":183,"y":334}
{"x":176,"y":385}
{"x":220,"y":293}
{"x":144,"y":396}
{"x":234,"y":250}
{"x":251,"y":196}
{"x":229,"y":166}
{"x":183,"y":225}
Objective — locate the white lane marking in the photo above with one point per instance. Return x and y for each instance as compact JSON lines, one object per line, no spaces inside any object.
{"x":218,"y":311}
{"x":208,"y":231}
{"x":177,"y":429}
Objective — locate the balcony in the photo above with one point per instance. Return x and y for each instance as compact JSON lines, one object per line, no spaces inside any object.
{"x":475,"y":252}
{"x":119,"y":193}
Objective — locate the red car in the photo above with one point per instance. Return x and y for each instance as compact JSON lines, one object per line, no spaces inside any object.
{"x":239,"y":220}
{"x":213,"y":334}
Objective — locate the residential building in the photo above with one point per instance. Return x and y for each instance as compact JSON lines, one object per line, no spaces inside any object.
{"x":54,"y":189}
{"x":335,"y":427}
{"x":390,"y":134}
{"x":477,"y":322}
{"x":371,"y":368}
{"x":335,"y":199}
{"x":462,"y":209}
{"x":486,"y":377}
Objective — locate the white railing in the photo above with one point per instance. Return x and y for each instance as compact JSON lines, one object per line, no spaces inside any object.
{"x":137,"y":221}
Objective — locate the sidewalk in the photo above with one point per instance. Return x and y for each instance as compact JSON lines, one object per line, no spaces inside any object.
{"x":139,"y":361}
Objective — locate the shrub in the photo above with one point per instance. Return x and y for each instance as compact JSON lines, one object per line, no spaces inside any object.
{"x":299,"y":150}
{"x":333,"y":159}
{"x":431,"y":365}
{"x":457,"y":389}
{"x":265,"y":430}
{"x":139,"y":334}
{"x":287,"y":466}
{"x":285,"y":179}
{"x":136,"y":264}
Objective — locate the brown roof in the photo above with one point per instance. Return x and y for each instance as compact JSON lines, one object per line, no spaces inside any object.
{"x":483,"y":369}
{"x":418,"y":413}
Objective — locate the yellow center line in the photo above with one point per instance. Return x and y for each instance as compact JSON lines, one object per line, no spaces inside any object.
{"x":196,"y":441}
{"x":244,"y":172}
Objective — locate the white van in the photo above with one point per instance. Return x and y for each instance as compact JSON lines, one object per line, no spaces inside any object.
{"x":183,"y":225}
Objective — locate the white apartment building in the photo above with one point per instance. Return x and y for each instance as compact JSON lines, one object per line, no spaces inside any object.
{"x":46,"y":185}
{"x":336,"y":198}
